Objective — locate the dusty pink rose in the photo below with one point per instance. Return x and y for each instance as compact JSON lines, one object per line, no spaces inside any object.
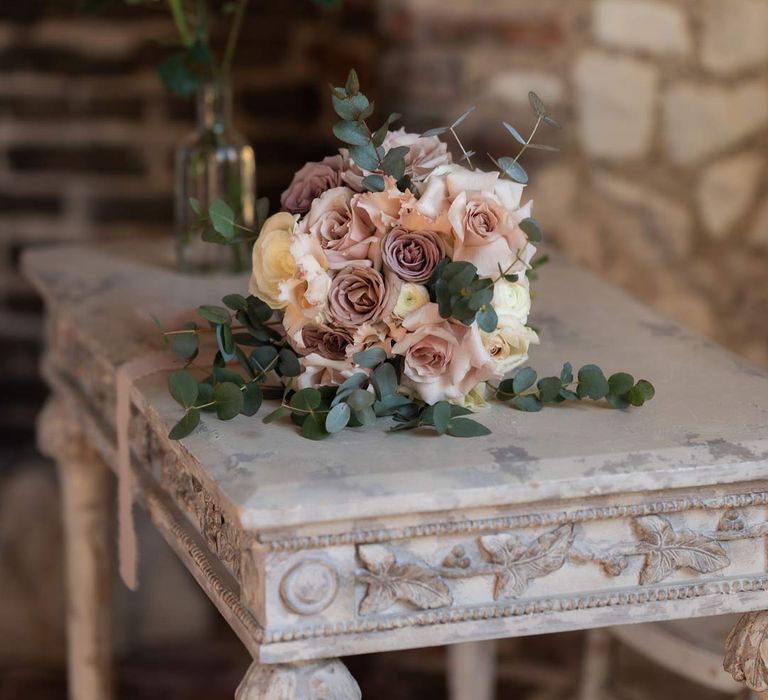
{"x":484,"y":212}
{"x":425,"y":153}
{"x":358,"y":295}
{"x":442,"y":360}
{"x":344,"y":230}
{"x":413,"y":255}
{"x":310,"y":182}
{"x":322,"y":371}
{"x":330,"y":343}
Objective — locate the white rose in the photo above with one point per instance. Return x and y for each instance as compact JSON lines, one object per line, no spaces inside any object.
{"x":512,"y":299}
{"x":508,"y":344}
{"x":273,"y":262}
{"x":477,"y":398}
{"x":412,"y":297}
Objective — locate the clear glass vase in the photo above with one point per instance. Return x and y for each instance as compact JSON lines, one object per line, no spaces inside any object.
{"x":213,"y":162}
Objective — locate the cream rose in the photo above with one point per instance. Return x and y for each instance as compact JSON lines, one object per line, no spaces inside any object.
{"x":273,"y":262}
{"x":512,"y":299}
{"x":508,"y":344}
{"x":411,"y":297}
{"x":442,"y":360}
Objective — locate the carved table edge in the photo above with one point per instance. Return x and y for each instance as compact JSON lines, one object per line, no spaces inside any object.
{"x":515,"y":522}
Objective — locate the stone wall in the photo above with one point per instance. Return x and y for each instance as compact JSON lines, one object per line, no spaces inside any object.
{"x":661,"y":183}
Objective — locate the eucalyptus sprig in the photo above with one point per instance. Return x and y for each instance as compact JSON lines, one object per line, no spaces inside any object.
{"x":364,"y":144}
{"x":218,"y":222}
{"x":620,"y":390}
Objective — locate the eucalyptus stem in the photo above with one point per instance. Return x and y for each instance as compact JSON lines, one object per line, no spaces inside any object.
{"x":530,"y":138}
{"x":180,"y":19}
{"x":461,"y":146}
{"x":234,"y":34}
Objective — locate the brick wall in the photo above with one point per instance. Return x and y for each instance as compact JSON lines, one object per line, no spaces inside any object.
{"x":87,"y":134}
{"x":661,"y":186}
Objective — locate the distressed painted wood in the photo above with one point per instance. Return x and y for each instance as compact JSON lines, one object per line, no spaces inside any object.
{"x":579,"y":517}
{"x":86,"y":497}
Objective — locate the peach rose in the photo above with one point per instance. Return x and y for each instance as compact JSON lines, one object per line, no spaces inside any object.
{"x":345,"y":231}
{"x":310,"y":182}
{"x":442,"y":360}
{"x":304,"y":297}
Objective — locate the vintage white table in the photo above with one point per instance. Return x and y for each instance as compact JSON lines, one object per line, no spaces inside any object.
{"x":576,"y":517}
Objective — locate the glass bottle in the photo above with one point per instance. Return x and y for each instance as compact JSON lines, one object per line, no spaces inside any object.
{"x":213,"y":162}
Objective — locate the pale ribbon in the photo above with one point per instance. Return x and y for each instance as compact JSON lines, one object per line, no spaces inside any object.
{"x":127,"y":374}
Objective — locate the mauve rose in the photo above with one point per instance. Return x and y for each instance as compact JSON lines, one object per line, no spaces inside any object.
{"x":310,"y":182}
{"x":358,"y":295}
{"x":330,"y":343}
{"x":413,"y":255}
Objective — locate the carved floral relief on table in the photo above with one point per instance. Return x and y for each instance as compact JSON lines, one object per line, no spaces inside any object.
{"x":514,"y":562}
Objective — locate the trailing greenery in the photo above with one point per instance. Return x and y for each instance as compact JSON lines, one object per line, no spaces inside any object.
{"x":253,"y":362}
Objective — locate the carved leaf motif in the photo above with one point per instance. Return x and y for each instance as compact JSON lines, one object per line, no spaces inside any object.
{"x":522,"y":563}
{"x":389,"y":581}
{"x":666,"y":550}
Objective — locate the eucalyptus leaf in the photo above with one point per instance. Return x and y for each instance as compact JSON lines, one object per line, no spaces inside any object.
{"x":360,"y":399}
{"x":214,"y":314}
{"x":549,"y":389}
{"x":189,"y":421}
{"x":183,"y":388}
{"x":524,"y":379}
{"x":306,"y":399}
{"x":236,"y":302}
{"x":370,"y":358}
{"x":365,"y":156}
{"x":487,"y":318}
{"x":462,"y":118}
{"x":465,"y":428}
{"x":313,"y":427}
{"x":263,"y":358}
{"x":384,"y":380}
{"x":354,"y":133}
{"x":374,"y":183}
{"x":288,"y":363}
{"x":531,"y":228}
{"x":252,"y":399}
{"x":513,"y":169}
{"x":186,"y":345}
{"x":277,"y":414}
{"x":620,"y":383}
{"x":528,"y":403}
{"x":437,"y":131}
{"x":441,"y":416}
{"x":353,"y":83}
{"x":226,"y":342}
{"x":229,"y":400}
{"x":222,"y":218}
{"x":511,"y":129}
{"x":536,"y":104}
{"x":338,"y":418}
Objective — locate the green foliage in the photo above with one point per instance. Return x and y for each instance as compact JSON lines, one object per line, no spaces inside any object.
{"x":619,"y":391}
{"x":364,"y":144}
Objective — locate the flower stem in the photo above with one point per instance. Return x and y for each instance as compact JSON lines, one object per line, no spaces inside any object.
{"x":234,"y":34}
{"x":461,"y":146}
{"x":530,"y":138}
{"x":180,"y":19}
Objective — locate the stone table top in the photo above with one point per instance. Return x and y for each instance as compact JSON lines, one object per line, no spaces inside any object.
{"x":708,"y":424}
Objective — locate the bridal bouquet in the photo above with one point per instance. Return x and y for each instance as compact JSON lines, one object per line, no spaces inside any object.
{"x":393,"y":283}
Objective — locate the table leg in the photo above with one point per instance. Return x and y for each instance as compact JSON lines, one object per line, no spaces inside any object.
{"x":85,"y":490}
{"x":327,"y":679}
{"x":472,"y":670}
{"x":746,"y":655}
